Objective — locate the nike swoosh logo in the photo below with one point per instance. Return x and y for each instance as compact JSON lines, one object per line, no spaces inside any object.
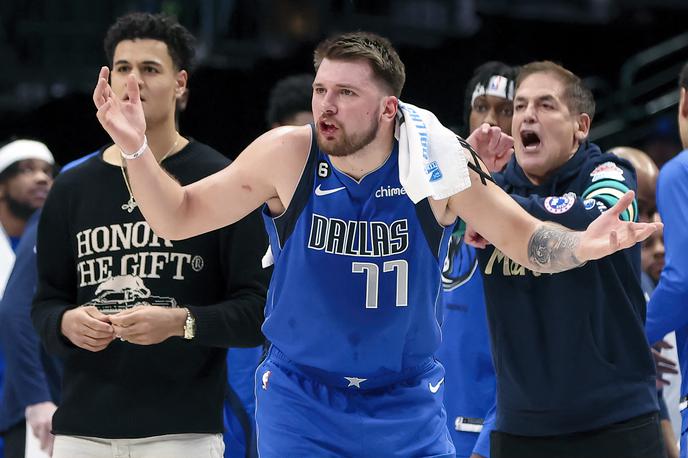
{"x":324,"y":192}
{"x":435,"y":388}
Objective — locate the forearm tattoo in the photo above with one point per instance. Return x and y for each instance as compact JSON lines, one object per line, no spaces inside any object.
{"x":551,"y":249}
{"x":477,"y":165}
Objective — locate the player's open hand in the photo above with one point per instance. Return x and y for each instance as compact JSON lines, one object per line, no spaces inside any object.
{"x":122,"y":117}
{"x":492,"y":145}
{"x":609,"y":234}
{"x":39,"y":416}
{"x":663,"y":365}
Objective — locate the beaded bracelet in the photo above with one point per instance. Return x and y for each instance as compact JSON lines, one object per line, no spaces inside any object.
{"x":136,"y":153}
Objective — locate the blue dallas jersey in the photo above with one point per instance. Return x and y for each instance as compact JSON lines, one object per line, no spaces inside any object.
{"x":357,"y":279}
{"x":465,"y":349}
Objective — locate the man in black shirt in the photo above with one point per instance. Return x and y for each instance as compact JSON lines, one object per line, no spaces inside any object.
{"x":143,"y":323}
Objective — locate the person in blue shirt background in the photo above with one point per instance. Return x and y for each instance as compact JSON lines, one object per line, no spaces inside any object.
{"x":652,"y":262}
{"x":465,"y":347}
{"x":667,"y":308}
{"x":32,"y":378}
{"x":26,"y":174}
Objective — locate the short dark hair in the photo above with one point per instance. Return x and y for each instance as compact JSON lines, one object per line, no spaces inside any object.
{"x":180,"y":42}
{"x":289,"y":96}
{"x":377,"y":50}
{"x":683,"y":77}
{"x":577,"y":96}
{"x":482,"y":75}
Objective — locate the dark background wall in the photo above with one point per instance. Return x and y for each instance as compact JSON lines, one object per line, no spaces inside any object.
{"x":52,"y":51}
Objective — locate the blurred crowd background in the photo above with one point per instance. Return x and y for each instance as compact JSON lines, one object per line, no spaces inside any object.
{"x":628,"y":51}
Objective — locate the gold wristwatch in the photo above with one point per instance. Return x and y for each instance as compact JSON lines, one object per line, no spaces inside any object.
{"x":189,"y":326}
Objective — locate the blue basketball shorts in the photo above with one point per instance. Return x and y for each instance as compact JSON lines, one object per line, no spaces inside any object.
{"x":298,"y":415}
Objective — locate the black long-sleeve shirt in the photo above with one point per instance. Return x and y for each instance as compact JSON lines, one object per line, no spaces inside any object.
{"x":91,"y":249}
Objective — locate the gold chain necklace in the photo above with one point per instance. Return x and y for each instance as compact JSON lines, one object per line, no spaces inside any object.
{"x":131,"y":203}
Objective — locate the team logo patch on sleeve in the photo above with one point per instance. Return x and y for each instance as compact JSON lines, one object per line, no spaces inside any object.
{"x":608,"y":170}
{"x":560,"y":204}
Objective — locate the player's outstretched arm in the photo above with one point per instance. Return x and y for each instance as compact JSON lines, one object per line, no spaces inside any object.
{"x":176,"y":212}
{"x":540,"y":246}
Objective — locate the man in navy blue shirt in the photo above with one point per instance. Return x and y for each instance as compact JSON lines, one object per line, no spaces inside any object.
{"x":575,"y":377}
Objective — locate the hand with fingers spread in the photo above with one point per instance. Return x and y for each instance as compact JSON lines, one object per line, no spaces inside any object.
{"x":123,"y":119}
{"x":87,"y":328}
{"x":40,"y":418}
{"x":148,"y":324}
{"x":492,"y":145}
{"x":663,"y":365}
{"x":609,"y":234}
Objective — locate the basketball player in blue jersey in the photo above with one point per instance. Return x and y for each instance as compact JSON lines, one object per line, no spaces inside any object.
{"x":465,"y":348}
{"x":351,"y":313}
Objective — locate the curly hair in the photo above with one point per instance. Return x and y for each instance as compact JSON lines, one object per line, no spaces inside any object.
{"x":180,"y":42}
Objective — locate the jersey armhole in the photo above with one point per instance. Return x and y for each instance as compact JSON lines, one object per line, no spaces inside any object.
{"x":285,"y":223}
{"x":432,"y":229}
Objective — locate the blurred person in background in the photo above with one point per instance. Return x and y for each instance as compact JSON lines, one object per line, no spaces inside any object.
{"x":465,"y":348}
{"x":652,"y":262}
{"x":26,"y":175}
{"x":667,"y":310}
{"x":289,"y":103}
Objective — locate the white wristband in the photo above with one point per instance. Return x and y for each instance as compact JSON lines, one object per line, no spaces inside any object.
{"x":136,"y":153}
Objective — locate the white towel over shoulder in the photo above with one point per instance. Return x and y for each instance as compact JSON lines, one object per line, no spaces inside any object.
{"x":431,"y":160}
